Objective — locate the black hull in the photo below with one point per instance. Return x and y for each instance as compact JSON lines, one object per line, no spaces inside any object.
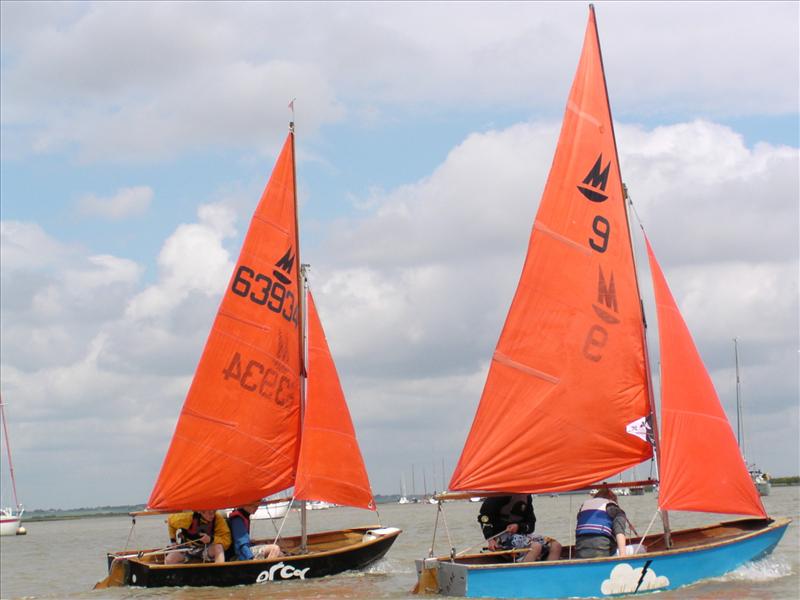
{"x":317,"y":564}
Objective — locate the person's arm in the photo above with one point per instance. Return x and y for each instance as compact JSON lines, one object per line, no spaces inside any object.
{"x":489,"y":518}
{"x":177,"y":521}
{"x":528,"y":524}
{"x":241,"y":539}
{"x":620,"y":521}
{"x":222,"y":534}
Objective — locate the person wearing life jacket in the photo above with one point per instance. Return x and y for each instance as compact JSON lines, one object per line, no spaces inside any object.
{"x":601,"y":526}
{"x":242,"y":547}
{"x":206,"y":528}
{"x":508,"y":523}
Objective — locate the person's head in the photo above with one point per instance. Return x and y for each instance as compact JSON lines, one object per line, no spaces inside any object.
{"x":207,"y":515}
{"x":607,"y":493}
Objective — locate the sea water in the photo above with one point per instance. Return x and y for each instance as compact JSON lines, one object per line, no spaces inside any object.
{"x":64,"y":559}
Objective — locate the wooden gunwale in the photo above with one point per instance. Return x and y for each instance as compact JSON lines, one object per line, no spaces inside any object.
{"x":681,"y":545}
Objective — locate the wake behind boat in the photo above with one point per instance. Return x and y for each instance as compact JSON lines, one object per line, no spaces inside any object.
{"x":265,"y":413}
{"x":569,"y":402}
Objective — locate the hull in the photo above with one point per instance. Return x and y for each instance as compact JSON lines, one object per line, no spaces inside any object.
{"x":329,"y":553}
{"x":276,"y":510}
{"x":697,"y":554}
{"x":763,"y":487}
{"x":9,"y":525}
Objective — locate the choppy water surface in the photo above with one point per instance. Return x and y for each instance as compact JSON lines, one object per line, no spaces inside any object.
{"x":63,"y":559}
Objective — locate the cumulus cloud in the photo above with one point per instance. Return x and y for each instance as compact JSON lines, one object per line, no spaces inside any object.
{"x":412,"y":290}
{"x":138,"y":83}
{"x":82,"y":351}
{"x":415,"y":290}
{"x":126,"y":202}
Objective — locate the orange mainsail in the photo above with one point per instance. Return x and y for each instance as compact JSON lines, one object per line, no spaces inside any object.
{"x":568,"y":380}
{"x":237,"y":435}
{"x":330,"y":467}
{"x":700,"y":468}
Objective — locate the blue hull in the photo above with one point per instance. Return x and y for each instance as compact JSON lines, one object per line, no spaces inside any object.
{"x":728,"y":546}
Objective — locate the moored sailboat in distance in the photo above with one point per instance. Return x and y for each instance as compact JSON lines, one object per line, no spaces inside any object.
{"x":10,"y":516}
{"x":265,"y":412}
{"x":760,"y":479}
{"x":568,"y":401}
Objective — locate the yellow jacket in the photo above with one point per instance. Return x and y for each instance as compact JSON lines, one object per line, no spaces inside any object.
{"x":222,"y":534}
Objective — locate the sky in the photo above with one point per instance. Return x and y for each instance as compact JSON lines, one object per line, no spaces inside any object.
{"x":136,"y":139}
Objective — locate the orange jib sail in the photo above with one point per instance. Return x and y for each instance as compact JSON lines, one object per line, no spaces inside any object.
{"x":237,"y":435}
{"x":331,"y":467}
{"x":566,"y":398}
{"x":700,"y":468}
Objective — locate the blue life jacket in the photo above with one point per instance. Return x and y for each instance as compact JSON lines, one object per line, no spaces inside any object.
{"x":593,"y":519}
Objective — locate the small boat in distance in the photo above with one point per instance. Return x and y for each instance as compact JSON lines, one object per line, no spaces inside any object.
{"x":10,"y":517}
{"x":273,"y":510}
{"x":568,"y":401}
{"x":760,"y":479}
{"x":265,"y":413}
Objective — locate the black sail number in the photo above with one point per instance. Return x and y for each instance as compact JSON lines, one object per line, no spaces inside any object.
{"x":602,"y":228}
{"x":262,"y":290}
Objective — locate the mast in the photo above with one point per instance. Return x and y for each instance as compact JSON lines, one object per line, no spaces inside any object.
{"x":648,"y":371}
{"x":302,"y":332}
{"x":8,"y":452}
{"x":739,"y":420}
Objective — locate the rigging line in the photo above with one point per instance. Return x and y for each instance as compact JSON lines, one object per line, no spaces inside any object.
{"x":447,"y":531}
{"x":435,"y":528}
{"x":283,"y":521}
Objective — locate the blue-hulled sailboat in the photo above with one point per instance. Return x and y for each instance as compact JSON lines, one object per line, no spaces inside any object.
{"x":569,"y":402}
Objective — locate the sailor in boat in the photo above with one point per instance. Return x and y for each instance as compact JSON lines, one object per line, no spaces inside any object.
{"x":508,"y":523}
{"x":601,"y":526}
{"x":207,"y":528}
{"x":242,"y":548}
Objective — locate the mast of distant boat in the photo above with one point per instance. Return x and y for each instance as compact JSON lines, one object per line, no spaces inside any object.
{"x":739,"y":420}
{"x":8,"y":452}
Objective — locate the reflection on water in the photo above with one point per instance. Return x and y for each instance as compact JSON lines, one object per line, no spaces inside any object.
{"x":64,"y":559}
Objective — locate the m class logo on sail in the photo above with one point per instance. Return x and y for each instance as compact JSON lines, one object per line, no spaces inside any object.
{"x":593,"y":189}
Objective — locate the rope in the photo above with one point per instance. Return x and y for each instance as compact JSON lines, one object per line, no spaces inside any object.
{"x":130,"y":533}
{"x":641,"y":540}
{"x":435,"y":528}
{"x":480,"y":543}
{"x":283,"y":521}
{"x":572,"y":529}
{"x":447,"y":531}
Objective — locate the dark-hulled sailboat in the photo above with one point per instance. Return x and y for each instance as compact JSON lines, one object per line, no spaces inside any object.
{"x":265,"y":413}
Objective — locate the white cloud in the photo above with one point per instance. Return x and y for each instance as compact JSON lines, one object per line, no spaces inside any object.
{"x":192,"y":259}
{"x":126,"y":202}
{"x":27,"y":246}
{"x":139,"y":82}
{"x":413,"y":293}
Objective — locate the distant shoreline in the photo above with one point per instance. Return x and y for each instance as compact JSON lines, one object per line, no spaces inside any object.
{"x":120,"y":511}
